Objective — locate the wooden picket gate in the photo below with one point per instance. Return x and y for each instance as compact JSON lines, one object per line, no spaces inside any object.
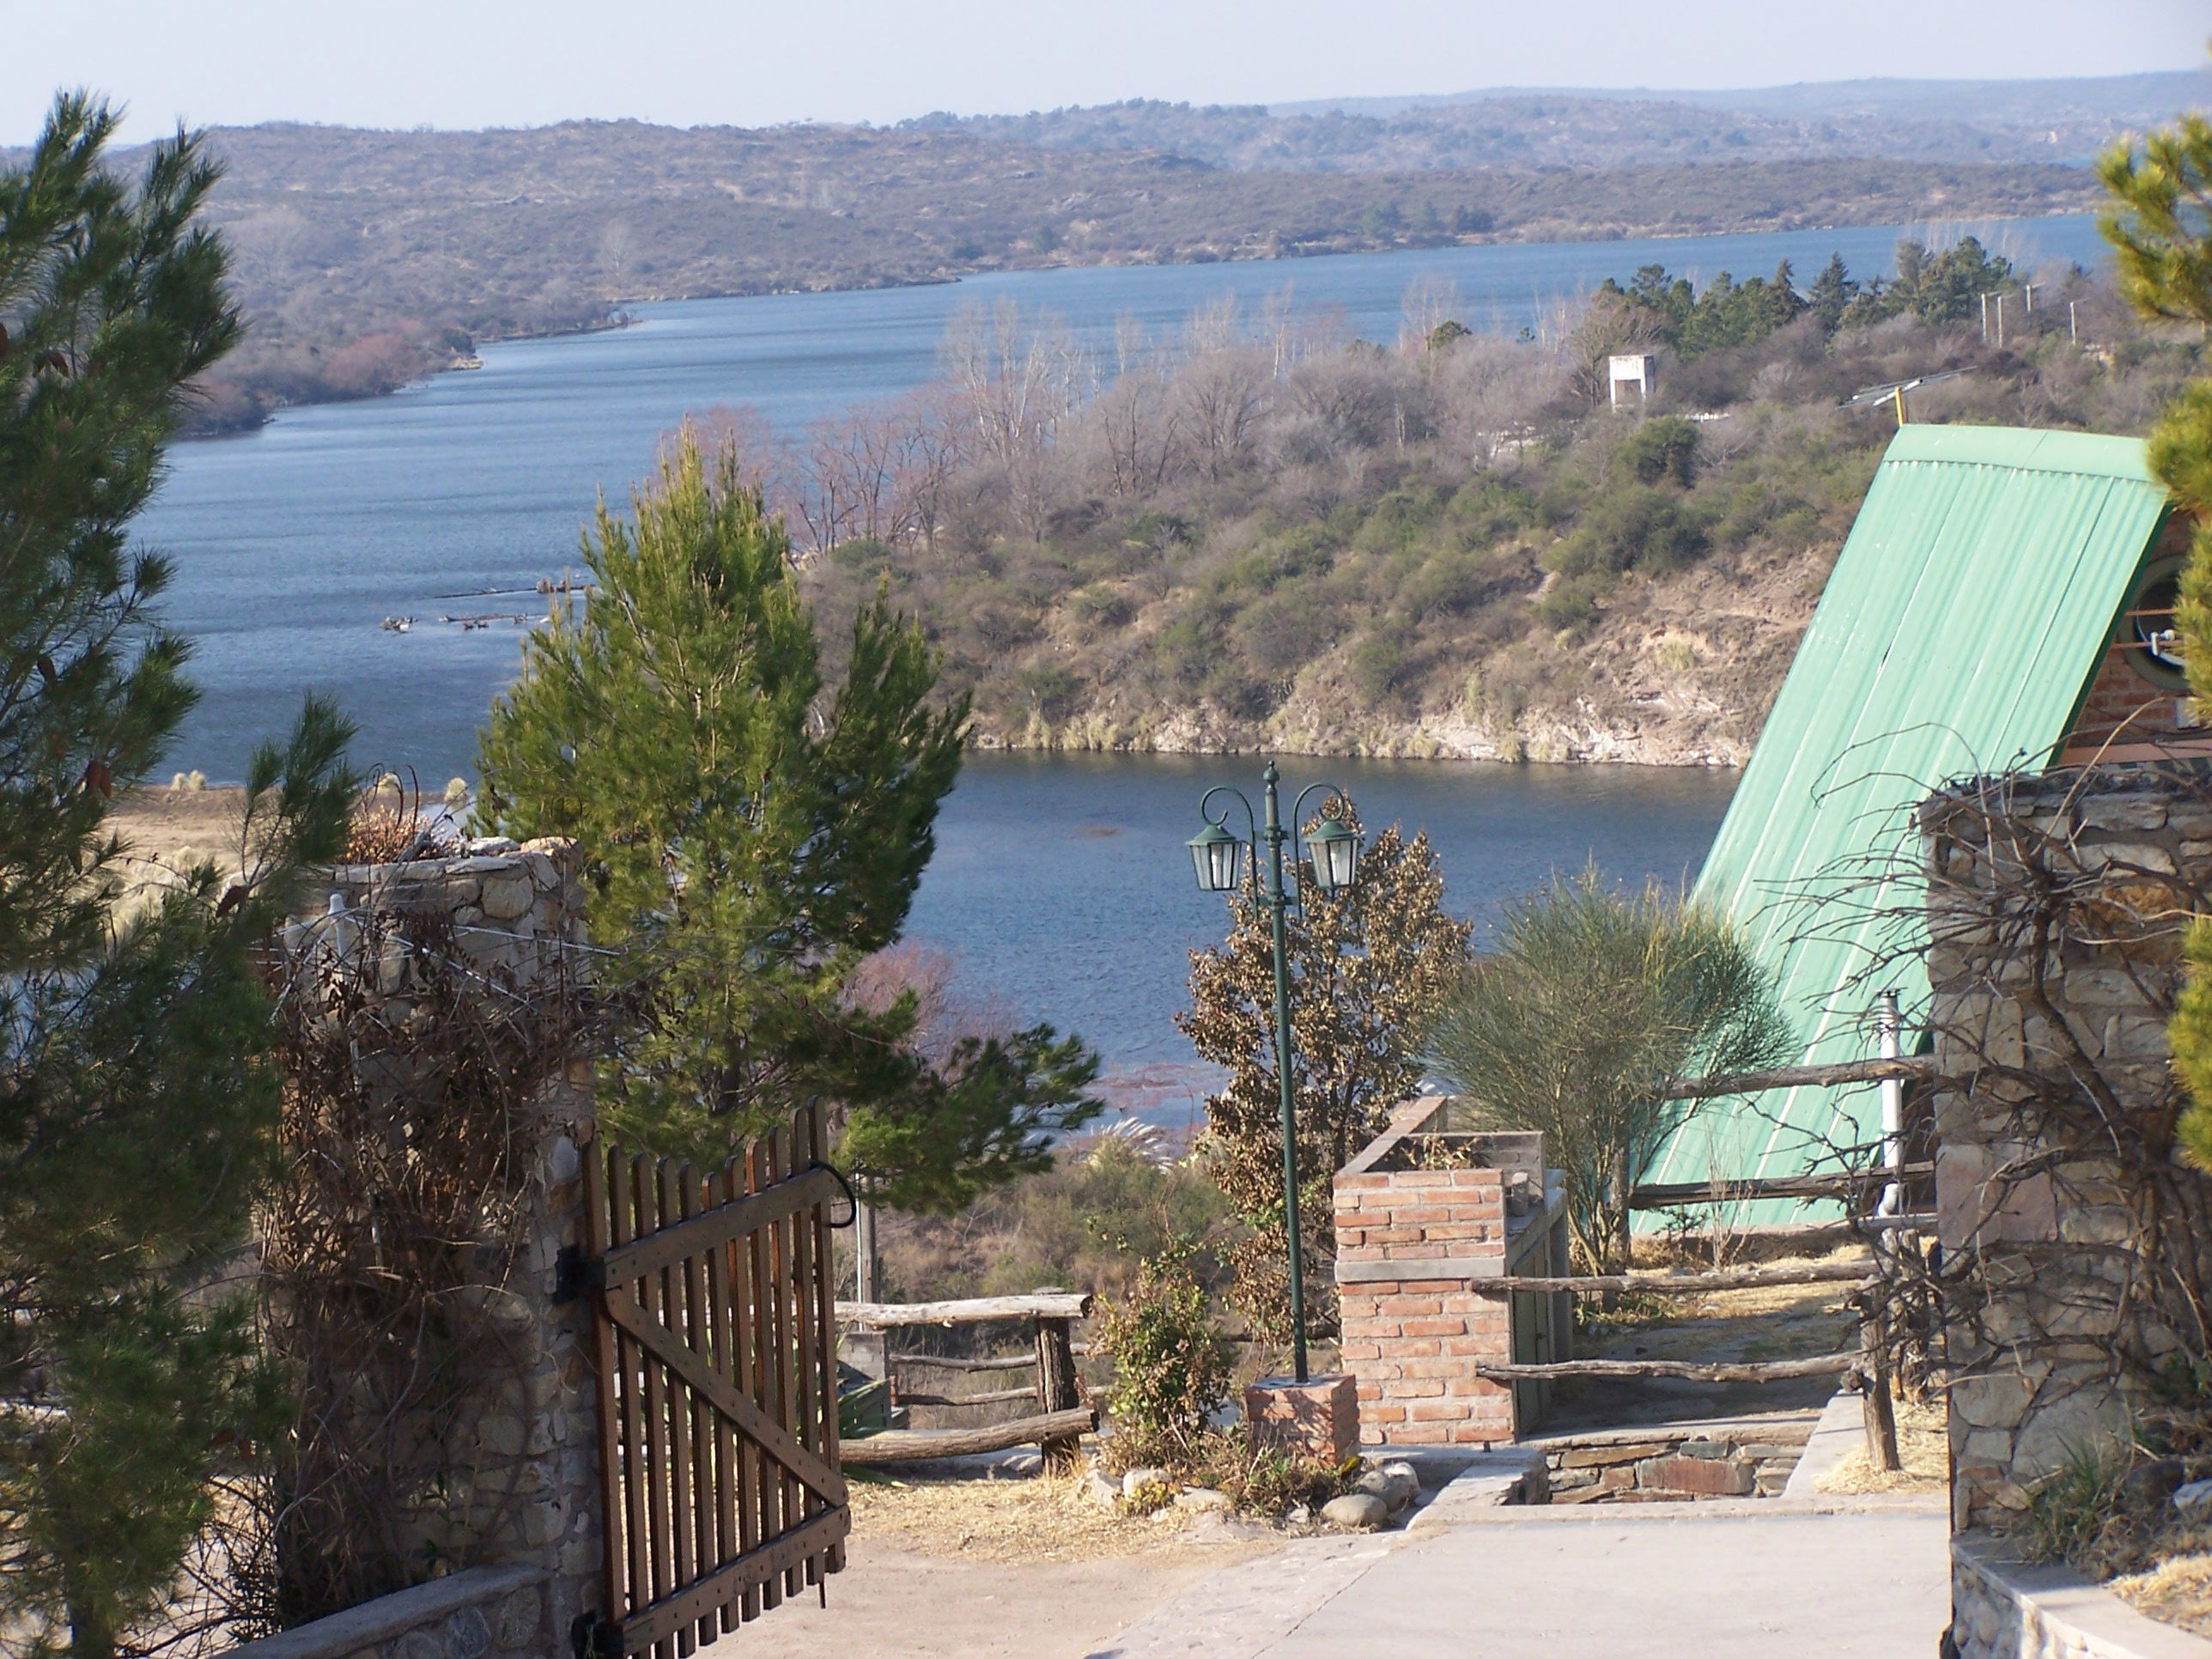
{"x":717,"y":1388}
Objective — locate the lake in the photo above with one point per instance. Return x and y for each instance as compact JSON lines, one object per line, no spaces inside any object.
{"x":293,"y":543}
{"x":1062,"y":887}
{"x":1061,"y":882}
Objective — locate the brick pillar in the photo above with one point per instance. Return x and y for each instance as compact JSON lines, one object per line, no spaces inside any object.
{"x":1317,"y":1419}
{"x":1410,"y":1246}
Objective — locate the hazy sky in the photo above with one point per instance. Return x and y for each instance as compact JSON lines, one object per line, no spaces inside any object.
{"x":488,"y":63}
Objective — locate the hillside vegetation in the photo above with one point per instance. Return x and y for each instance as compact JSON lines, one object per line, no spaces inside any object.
{"x":366,"y":259}
{"x":1900,"y":120}
{"x":1256,"y":535}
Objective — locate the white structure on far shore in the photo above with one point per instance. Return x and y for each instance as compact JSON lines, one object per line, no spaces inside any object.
{"x":1636,"y":370}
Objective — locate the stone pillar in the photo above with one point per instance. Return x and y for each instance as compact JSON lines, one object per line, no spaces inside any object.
{"x":2037,"y":1228}
{"x":511,"y":1466}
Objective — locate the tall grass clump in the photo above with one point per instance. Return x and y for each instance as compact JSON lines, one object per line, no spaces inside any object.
{"x":1594,"y":1000}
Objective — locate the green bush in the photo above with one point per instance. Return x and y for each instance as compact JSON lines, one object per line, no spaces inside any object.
{"x":1172,"y":1364}
{"x":1573,"y":602}
{"x":1593,"y":998}
{"x":1636,"y":528}
{"x":1662,"y":450}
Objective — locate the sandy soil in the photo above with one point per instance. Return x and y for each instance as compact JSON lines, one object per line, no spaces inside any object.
{"x":968,"y":1566}
{"x":177,"y":828}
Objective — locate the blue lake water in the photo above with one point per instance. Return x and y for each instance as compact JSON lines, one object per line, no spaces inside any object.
{"x":1061,"y":882}
{"x":1062,"y":886}
{"x":294,"y":541}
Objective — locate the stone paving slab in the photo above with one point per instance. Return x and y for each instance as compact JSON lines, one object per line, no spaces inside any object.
{"x":1661,"y":1580}
{"x":1714,"y":1587}
{"x":1249,"y":1608}
{"x":1842,"y":1426}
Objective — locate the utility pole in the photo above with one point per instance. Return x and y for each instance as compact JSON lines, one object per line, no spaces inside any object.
{"x":1985,"y":320}
{"x":2073,"y":322}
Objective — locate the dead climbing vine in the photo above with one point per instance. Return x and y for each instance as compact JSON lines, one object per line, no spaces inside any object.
{"x":416,"y":1052}
{"x":2051,"y":910}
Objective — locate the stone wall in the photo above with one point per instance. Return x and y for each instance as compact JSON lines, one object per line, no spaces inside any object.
{"x":1677,"y":1461}
{"x":514,"y":1468}
{"x":1413,"y":1241}
{"x":2055,"y":911}
{"x":479,"y":1613}
{"x":2001,"y":1608}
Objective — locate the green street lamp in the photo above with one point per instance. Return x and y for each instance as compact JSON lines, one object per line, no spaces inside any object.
{"x":1333,"y":846}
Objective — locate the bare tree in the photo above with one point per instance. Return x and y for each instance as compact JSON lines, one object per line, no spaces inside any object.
{"x":1220,"y":397}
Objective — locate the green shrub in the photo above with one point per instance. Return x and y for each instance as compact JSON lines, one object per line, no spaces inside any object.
{"x":1635,"y":527}
{"x":1573,"y":602}
{"x":1172,"y":1364}
{"x":862,"y":554}
{"x":1662,"y":450}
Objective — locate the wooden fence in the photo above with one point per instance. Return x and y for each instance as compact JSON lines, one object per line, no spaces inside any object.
{"x":1061,"y":1418}
{"x":1876,"y":1288}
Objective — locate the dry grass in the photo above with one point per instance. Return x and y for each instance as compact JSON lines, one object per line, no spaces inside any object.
{"x":1040,"y":1517}
{"x":1772,"y":1321}
{"x":1921,"y":1447}
{"x":2176,"y":1592}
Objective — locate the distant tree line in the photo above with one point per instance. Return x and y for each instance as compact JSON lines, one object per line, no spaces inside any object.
{"x":1933,"y":287}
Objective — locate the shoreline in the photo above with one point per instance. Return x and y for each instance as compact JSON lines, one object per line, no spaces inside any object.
{"x":1238,"y":255}
{"x":153,"y":789}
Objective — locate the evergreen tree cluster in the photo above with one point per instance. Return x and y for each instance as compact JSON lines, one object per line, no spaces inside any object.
{"x":754,"y":834}
{"x":1934,"y":288}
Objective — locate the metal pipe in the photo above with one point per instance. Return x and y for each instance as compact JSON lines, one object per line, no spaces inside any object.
{"x":1887,"y":1046}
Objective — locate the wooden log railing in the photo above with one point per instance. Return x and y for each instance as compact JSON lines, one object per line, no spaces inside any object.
{"x":1769,"y":1371}
{"x":1666,"y":1195}
{"x":915,"y":1445}
{"x":977,"y":1310}
{"x":1062,"y":1418}
{"x":1728,"y":1279}
{"x":1906,"y":1068}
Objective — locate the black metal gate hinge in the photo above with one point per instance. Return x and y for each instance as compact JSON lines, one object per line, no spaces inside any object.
{"x":575,"y":1272}
{"x":591,"y":1636}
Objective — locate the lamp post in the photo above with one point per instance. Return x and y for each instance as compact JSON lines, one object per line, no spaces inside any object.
{"x":1333,"y":849}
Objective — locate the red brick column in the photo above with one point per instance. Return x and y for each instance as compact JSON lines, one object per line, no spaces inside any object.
{"x":1410,"y":1246}
{"x":1318,"y":1418}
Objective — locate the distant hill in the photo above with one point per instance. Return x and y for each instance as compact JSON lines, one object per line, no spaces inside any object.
{"x":367,"y":258}
{"x":2124,"y":100}
{"x":1938,"y":121}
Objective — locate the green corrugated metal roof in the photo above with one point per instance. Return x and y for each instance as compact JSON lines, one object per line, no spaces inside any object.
{"x":1967,"y":613}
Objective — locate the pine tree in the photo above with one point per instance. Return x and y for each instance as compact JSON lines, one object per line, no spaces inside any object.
{"x":1833,"y":290}
{"x":135,"y":1087}
{"x":1366,"y":964}
{"x":753,"y":833}
{"x":2159,"y":223}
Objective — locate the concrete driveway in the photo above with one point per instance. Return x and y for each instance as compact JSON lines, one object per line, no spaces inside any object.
{"x":1776,"y":1582}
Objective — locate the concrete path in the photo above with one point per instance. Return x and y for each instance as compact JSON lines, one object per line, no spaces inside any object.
{"x":1581,"y":1583}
